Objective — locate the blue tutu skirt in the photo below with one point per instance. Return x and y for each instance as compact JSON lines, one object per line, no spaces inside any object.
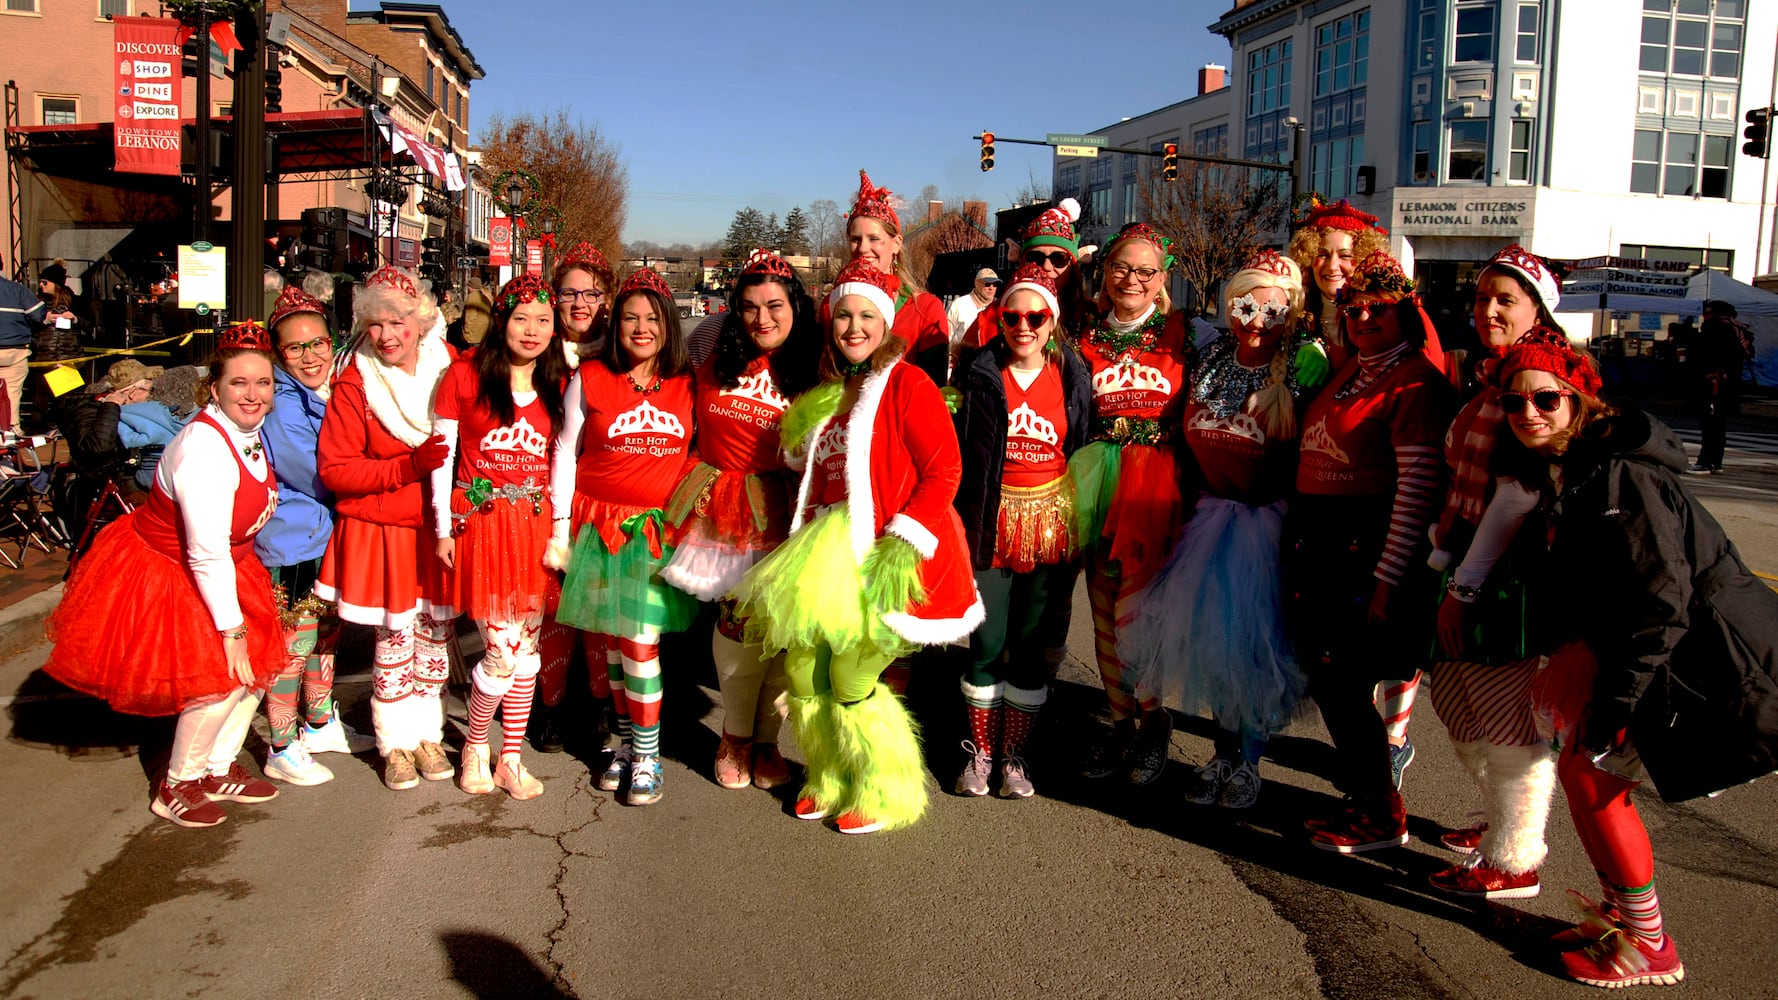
{"x":1208,"y":632}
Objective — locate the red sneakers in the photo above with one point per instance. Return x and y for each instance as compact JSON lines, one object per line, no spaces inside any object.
{"x":237,"y":786}
{"x":806,"y":808}
{"x":1596,"y":921}
{"x":1465,"y":841}
{"x":184,"y":803}
{"x":1621,"y":959}
{"x":857,"y":822}
{"x":1363,"y":825}
{"x":1481,"y":880}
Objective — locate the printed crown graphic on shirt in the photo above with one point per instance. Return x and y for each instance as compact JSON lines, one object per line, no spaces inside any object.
{"x":1025,"y":422}
{"x":832,"y":442}
{"x":1239,"y":424}
{"x":1318,"y":439}
{"x":1131,"y":376}
{"x":759,"y":388}
{"x":646,"y":418}
{"x":521,"y":436}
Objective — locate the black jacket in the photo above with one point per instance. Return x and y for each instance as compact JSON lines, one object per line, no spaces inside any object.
{"x":1685,"y":636}
{"x":981,"y":431}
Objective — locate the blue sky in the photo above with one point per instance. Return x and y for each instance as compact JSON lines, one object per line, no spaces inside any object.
{"x":718,"y":106}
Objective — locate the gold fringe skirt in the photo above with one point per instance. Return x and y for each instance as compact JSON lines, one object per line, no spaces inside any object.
{"x":1034,"y":525}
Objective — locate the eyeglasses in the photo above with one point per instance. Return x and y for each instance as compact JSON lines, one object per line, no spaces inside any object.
{"x":1057,"y":259}
{"x":593,"y":296}
{"x":1119,"y":272}
{"x":1356,"y":313}
{"x":319,"y":346}
{"x":1546,"y":400}
{"x":1034,"y":320}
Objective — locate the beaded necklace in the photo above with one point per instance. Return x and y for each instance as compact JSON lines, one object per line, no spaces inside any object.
{"x":637,"y":386}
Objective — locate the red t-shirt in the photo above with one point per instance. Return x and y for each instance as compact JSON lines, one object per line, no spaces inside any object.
{"x":829,"y":460}
{"x":1348,"y":445}
{"x":1036,"y":424}
{"x":501,"y":454}
{"x":738,"y":428}
{"x":1138,"y":383}
{"x":633,"y":446}
{"x":1237,"y":459}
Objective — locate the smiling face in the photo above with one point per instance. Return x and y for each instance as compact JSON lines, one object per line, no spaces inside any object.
{"x":305,"y":349}
{"x":395,"y":338}
{"x":639,"y":328}
{"x":1539,"y":431}
{"x":1259,"y":316}
{"x":871,"y":243}
{"x":579,"y":302}
{"x":529,"y":330}
{"x":1132,"y":277}
{"x":1371,"y":325}
{"x":1503,"y":310}
{"x":244,"y":389}
{"x":859,"y":327}
{"x":767,"y":314}
{"x":1025,"y":340}
{"x":1333,"y":262}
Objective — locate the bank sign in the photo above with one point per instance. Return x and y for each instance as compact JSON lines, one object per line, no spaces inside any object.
{"x":146,"y":120}
{"x":1500,"y":212}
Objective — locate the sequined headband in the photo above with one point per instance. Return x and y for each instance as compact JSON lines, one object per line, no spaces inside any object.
{"x":645,"y":279}
{"x":248,"y":336}
{"x":764,"y":261}
{"x":395,"y":278}
{"x":1146,"y":233}
{"x":524,"y":288}
{"x":1271,"y":262}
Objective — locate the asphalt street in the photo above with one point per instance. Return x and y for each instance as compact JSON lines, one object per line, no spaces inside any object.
{"x":1091,"y":889}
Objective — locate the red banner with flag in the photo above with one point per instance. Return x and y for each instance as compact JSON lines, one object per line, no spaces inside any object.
{"x":534,"y":256}
{"x":499,"y":241}
{"x":147,"y":100}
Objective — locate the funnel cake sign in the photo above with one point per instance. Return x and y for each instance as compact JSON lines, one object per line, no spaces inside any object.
{"x":146,"y":123}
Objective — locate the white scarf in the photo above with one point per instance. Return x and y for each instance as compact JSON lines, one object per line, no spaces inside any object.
{"x":402,"y":403}
{"x":1119,"y":326}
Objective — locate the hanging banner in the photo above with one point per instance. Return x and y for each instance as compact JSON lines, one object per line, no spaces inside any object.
{"x":148,"y":84}
{"x":534,"y":256}
{"x":499,"y":241}
{"x":431,"y":159}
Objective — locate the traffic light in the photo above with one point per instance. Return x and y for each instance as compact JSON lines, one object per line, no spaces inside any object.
{"x":189,"y":52}
{"x":1758,"y":133}
{"x":432,"y":257}
{"x":1170,"y":162}
{"x":274,"y":83}
{"x":987,"y":151}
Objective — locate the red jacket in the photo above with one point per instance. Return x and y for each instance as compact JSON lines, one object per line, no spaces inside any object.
{"x":370,"y":471}
{"x":907,"y":467}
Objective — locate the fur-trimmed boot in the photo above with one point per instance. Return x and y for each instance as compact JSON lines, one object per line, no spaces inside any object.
{"x":824,"y":785}
{"x":1521,"y":782}
{"x":879,"y":750}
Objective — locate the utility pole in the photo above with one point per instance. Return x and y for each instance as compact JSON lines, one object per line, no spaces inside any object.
{"x":202,"y":158}
{"x":247,"y":192}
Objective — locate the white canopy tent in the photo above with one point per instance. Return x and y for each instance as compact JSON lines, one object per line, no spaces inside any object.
{"x":1753,"y":306}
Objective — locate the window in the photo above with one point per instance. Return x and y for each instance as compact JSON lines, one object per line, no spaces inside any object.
{"x":59,"y":110}
{"x":1100,"y":172}
{"x":1342,"y":53}
{"x":1428,"y":34}
{"x":1130,"y":202}
{"x":114,"y":8}
{"x":1519,"y":154}
{"x":1681,"y":164}
{"x":1468,"y":156}
{"x":1213,"y":141}
{"x":1473,"y":40}
{"x":1525,"y":49}
{"x":22,"y":6}
{"x":431,"y":83}
{"x":1268,"y":78}
{"x":1423,"y":152}
{"x":1101,"y":206}
{"x":1332,"y":164}
{"x":1685,"y":38}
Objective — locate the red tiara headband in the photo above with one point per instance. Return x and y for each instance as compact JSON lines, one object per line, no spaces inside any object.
{"x":873,"y":203}
{"x":1272,"y":262}
{"x":1545,"y":350}
{"x":764,"y":261}
{"x":1340,"y":215}
{"x":293,"y":301}
{"x":1380,"y":276}
{"x":393,"y":277}
{"x":645,"y":279}
{"x":523,"y":288}
{"x":584,"y":254}
{"x":245,"y":336}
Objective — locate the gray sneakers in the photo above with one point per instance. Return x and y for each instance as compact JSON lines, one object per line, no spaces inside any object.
{"x":976,"y":771}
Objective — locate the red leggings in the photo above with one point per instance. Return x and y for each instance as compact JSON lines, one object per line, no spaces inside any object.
{"x":1612,"y":834}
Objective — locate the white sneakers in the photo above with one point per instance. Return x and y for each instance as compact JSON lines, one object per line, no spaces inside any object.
{"x":294,"y":765}
{"x":335,"y":737}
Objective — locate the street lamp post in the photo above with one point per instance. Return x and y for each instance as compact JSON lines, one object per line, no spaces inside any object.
{"x":549,"y":244}
{"x":515,"y":199}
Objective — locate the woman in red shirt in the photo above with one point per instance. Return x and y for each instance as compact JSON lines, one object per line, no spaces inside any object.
{"x":733,"y":508}
{"x":873,"y":231}
{"x":497,"y":411}
{"x":1026,"y":406}
{"x":1126,"y":481}
{"x":624,"y":444}
{"x":1358,"y":594}
{"x":376,"y":449}
{"x":875,"y":563}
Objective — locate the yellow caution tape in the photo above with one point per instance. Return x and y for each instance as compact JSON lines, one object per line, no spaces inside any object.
{"x":183,"y":339}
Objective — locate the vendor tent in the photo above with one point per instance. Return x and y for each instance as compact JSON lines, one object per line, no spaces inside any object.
{"x":1757,"y":308}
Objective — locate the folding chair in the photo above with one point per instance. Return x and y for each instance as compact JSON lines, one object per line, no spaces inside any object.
{"x":96,"y":510}
{"x":21,"y":480}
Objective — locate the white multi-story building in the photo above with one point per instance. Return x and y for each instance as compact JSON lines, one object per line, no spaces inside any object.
{"x":1577,"y":128}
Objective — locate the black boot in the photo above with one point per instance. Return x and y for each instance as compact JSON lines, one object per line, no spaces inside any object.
{"x":542,"y":732}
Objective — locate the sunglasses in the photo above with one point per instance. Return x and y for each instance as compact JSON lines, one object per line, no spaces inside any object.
{"x":1356,"y":313}
{"x":1034,"y":320}
{"x":1546,"y":400}
{"x":1057,"y":259}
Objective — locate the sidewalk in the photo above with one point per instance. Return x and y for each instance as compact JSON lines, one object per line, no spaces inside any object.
{"x":27,"y":596}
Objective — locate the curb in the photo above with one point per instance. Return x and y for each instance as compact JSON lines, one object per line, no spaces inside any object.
{"x":21,"y":625}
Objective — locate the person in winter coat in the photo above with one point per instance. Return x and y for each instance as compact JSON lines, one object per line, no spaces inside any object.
{"x":1675,"y":679}
{"x":1027,"y":406}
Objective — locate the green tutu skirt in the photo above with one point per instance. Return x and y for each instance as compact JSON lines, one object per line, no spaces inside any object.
{"x":621,"y":593}
{"x":810,"y":592}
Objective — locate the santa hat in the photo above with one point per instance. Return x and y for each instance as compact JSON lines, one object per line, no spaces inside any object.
{"x":522,"y":288}
{"x":245,"y":336}
{"x":1340,"y":215}
{"x":1033,"y":278}
{"x":1545,"y":350}
{"x":873,"y":203}
{"x":293,"y":301}
{"x":1533,"y":271}
{"x":860,"y":278}
{"x":1379,"y":276}
{"x":645,"y":279}
{"x":1054,"y":228}
{"x":764,"y":261}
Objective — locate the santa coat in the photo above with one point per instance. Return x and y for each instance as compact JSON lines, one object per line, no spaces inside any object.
{"x":903,"y":467}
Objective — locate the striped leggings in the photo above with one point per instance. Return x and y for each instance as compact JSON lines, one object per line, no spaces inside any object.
{"x":1110,"y":600}
{"x":633,"y":664}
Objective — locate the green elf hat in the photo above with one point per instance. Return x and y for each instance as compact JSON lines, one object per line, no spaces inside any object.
{"x":1054,"y":228}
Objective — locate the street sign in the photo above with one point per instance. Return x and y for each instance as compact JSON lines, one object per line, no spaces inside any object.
{"x":1069,"y":139}
{"x":203,"y":276}
{"x":1077,"y":150}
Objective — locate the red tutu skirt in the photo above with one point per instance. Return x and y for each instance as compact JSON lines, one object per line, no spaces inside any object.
{"x":1145,"y":513}
{"x":725,"y":522}
{"x":500,"y":574}
{"x":132,"y":630}
{"x":375,"y":572}
{"x":608,"y":520}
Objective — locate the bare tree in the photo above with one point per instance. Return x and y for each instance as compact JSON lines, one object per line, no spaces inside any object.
{"x":951,"y":233}
{"x":1035,"y":190}
{"x":576,"y":167}
{"x":1218,"y":216}
{"x":827,"y":233}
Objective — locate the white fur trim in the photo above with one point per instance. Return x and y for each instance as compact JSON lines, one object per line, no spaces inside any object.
{"x":860,"y":435}
{"x":1070,"y":208}
{"x":801,"y":455}
{"x":877,"y":296}
{"x":706,"y":571}
{"x":1048,"y":297}
{"x":1031,"y":700}
{"x":989,"y":693}
{"x":402,"y":403}
{"x":1521,"y":782}
{"x":555,"y":554}
{"x":914,"y":533}
{"x":937,"y":631}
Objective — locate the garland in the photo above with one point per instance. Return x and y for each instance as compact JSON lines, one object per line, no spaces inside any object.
{"x":1116,"y":345}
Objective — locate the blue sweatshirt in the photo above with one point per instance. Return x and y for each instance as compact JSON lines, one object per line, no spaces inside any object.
{"x":300,"y":528}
